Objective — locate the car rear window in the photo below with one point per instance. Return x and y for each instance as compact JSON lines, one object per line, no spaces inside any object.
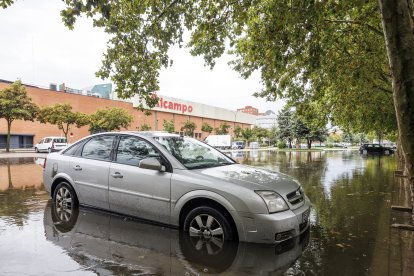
{"x":60,"y":140}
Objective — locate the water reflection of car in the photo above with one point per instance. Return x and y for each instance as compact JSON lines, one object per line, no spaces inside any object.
{"x":374,"y":149}
{"x":110,"y":244}
{"x":238,"y":145}
{"x":178,"y":181}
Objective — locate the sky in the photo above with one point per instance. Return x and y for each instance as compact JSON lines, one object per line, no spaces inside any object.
{"x":38,"y":49}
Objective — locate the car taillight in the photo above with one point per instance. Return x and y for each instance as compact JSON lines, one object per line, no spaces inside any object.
{"x":44,"y":164}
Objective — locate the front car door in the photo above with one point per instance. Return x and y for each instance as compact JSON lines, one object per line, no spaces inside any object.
{"x":90,"y":171}
{"x":135,"y":191}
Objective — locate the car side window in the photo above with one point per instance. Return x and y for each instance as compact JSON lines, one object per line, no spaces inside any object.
{"x":41,"y":141}
{"x":98,"y":148}
{"x":131,"y":150}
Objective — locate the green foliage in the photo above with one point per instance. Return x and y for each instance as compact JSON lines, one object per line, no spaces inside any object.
{"x":260,"y":133}
{"x":222,"y":129}
{"x":206,"y":128}
{"x":5,"y":3}
{"x":189,"y":128}
{"x":334,"y":138}
{"x":247,"y":134}
{"x":109,"y":120}
{"x":168,"y":126}
{"x":62,"y":116}
{"x":237,"y":131}
{"x":281,"y":145}
{"x":145,"y":127}
{"x":285,"y":125}
{"x":16,"y":105}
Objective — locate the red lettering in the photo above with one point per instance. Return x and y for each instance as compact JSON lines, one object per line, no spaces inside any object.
{"x":177,"y":106}
{"x":170,"y":105}
{"x":184,"y":108}
{"x":159,"y":102}
{"x":165,"y":105}
{"x":190,"y":109}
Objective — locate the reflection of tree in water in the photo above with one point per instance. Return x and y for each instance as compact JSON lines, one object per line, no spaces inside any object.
{"x":16,"y":204}
{"x":347,"y":220}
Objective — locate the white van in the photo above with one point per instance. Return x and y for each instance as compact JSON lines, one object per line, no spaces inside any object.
{"x":49,"y":144}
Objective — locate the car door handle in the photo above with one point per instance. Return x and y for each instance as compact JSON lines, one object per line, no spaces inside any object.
{"x":117,"y":175}
{"x":77,"y":168}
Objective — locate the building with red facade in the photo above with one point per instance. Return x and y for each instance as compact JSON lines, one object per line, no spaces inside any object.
{"x":249,"y":110}
{"x":26,"y":133}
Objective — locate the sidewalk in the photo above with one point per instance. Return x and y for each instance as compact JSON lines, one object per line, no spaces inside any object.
{"x":21,"y":154}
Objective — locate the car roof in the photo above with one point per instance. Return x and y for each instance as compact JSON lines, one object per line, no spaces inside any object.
{"x":151,"y":133}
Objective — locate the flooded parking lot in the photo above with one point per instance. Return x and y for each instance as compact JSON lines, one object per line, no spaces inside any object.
{"x":351,"y":197}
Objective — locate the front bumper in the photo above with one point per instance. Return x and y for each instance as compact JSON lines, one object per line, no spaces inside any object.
{"x":274,"y":228}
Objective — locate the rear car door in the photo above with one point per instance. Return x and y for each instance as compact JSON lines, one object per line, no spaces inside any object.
{"x":90,"y":171}
{"x":136,"y":191}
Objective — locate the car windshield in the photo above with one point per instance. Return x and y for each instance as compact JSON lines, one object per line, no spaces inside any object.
{"x":192,"y":153}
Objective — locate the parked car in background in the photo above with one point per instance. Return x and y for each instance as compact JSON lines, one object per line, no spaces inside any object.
{"x":374,"y":149}
{"x":178,"y":181}
{"x":219,"y":141}
{"x":50,"y":144}
{"x":238,"y":145}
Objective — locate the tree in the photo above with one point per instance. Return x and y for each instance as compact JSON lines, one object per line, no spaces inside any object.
{"x":206,"y":128}
{"x":62,"y":116}
{"x":109,"y":120}
{"x":247,"y":134}
{"x":222,"y":129}
{"x":189,"y":128}
{"x":168,"y":126}
{"x":260,"y":133}
{"x":285,"y":124}
{"x":145,"y":127}
{"x":237,"y":131}
{"x":397,"y":21}
{"x":16,"y":105}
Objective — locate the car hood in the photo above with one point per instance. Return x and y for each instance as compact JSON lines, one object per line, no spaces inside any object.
{"x":253,"y":178}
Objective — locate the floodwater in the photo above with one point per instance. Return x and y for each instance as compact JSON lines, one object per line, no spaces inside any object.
{"x":351,"y":198}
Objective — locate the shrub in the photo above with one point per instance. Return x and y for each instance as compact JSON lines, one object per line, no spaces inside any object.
{"x":330,"y":146}
{"x":281,"y":145}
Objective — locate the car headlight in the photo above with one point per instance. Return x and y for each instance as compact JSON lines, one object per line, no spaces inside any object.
{"x":275,"y":203}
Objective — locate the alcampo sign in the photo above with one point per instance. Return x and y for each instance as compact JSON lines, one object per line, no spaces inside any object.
{"x":165,"y":104}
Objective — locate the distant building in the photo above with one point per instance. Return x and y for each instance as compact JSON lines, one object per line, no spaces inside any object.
{"x":103,"y":91}
{"x":266,"y":121}
{"x":268,"y":112}
{"x":249,"y":110}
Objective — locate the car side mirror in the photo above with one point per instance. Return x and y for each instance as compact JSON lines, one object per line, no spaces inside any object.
{"x":151,"y":164}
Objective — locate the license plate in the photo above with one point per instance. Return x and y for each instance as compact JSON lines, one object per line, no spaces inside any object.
{"x":305,"y":215}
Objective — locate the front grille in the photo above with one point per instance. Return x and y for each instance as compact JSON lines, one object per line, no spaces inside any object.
{"x":295,"y":197}
{"x":303,"y":226}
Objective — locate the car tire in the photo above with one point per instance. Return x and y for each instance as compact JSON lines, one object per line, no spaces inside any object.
{"x":36,"y":150}
{"x":49,"y":150}
{"x":209,"y":223}
{"x":65,"y":196}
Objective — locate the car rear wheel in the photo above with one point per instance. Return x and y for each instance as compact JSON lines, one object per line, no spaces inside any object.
{"x":49,"y":150}
{"x":36,"y":150}
{"x":65,"y":197}
{"x":209,"y":223}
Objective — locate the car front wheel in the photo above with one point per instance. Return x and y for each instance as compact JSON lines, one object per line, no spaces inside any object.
{"x":208,"y":223}
{"x":36,"y":150}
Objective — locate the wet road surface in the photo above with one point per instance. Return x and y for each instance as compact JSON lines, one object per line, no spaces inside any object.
{"x":351,"y":197}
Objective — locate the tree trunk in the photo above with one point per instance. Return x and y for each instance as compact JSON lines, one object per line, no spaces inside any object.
{"x":309,"y":143}
{"x":397,"y":22}
{"x":8,"y":136}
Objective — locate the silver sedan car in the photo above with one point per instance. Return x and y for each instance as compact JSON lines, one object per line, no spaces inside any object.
{"x":180,"y":182}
